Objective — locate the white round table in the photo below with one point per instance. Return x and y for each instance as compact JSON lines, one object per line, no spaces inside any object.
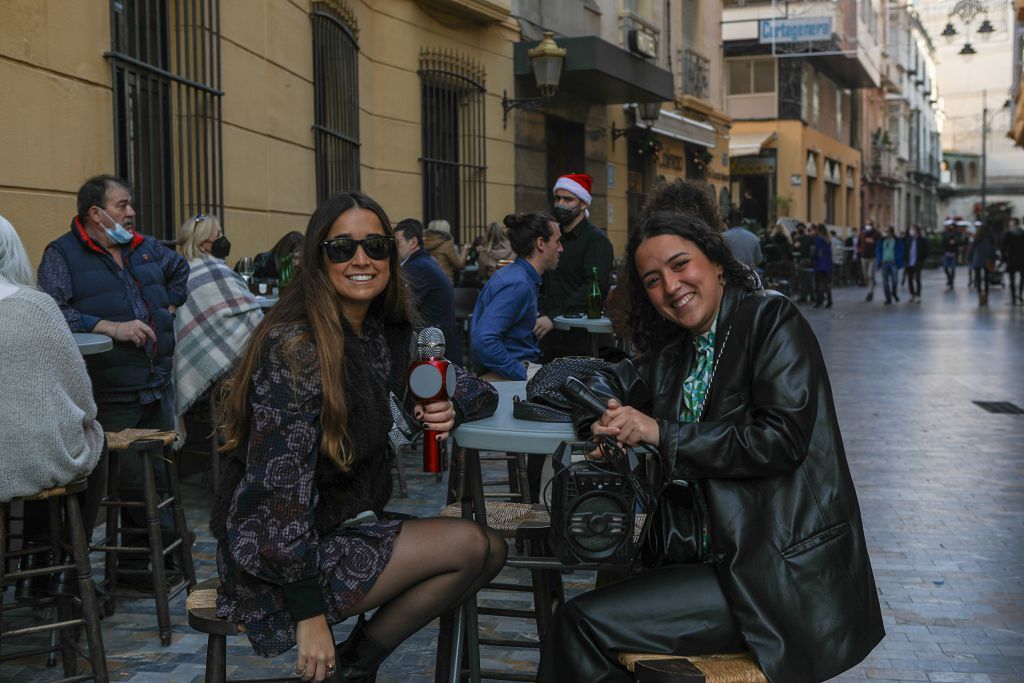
{"x":89,"y":343}
{"x":600,"y":325}
{"x":266,"y":301}
{"x":503,"y":432}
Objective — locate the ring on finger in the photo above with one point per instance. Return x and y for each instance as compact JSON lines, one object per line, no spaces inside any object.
{"x":330,"y":670}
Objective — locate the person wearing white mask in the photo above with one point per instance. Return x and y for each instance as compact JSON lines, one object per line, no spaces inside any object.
{"x":108,"y":279}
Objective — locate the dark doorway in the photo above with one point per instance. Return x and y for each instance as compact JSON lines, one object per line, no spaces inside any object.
{"x":565,"y":148}
{"x":640,"y":173}
{"x":756,"y":206}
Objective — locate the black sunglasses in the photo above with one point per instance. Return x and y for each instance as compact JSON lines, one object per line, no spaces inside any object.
{"x":342,"y":249}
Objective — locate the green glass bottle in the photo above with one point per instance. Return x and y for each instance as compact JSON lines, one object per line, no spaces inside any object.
{"x":594,"y":297}
{"x":287,"y":268}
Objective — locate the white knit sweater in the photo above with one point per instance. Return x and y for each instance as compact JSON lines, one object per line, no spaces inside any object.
{"x":48,"y":430}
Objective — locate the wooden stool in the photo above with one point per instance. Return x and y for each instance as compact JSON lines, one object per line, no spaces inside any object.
{"x":86,"y":599}
{"x":731,"y":668}
{"x":150,"y":445}
{"x":201,"y":605}
{"x":530,"y":525}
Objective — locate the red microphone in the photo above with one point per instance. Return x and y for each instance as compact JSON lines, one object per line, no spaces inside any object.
{"x":431,"y":378}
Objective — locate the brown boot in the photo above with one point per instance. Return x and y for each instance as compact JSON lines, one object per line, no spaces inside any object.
{"x":983,"y":299}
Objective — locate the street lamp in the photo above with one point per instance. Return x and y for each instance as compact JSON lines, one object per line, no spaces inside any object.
{"x":967,"y":11}
{"x":649,"y":112}
{"x":547,"y":59}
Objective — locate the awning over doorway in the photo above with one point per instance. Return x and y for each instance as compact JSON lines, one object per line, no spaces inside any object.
{"x":673,"y":125}
{"x":749,"y":144}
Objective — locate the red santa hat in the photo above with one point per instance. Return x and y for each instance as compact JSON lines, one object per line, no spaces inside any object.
{"x":577,"y":183}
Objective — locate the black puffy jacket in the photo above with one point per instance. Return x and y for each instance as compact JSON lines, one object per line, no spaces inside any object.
{"x":786,"y":528}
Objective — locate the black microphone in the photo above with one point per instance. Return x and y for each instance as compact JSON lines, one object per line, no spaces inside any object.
{"x":578,"y":392}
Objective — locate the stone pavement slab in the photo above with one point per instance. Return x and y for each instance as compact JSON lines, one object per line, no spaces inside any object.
{"x":940,"y":480}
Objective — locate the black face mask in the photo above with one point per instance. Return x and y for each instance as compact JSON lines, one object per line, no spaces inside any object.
{"x":220,"y":247}
{"x":564,"y":215}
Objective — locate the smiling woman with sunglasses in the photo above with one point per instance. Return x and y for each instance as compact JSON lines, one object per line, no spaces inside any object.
{"x":307,"y":421}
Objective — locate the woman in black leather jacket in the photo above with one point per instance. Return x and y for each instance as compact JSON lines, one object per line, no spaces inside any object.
{"x":731,"y":387}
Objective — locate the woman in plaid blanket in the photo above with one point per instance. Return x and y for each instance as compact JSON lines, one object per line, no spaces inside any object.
{"x":214,"y":325}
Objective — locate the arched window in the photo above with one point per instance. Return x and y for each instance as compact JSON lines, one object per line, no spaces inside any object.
{"x":335,"y":98}
{"x":958,"y":173}
{"x":972,"y":173}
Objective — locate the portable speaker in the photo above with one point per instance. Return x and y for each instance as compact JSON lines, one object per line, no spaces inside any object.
{"x":592,"y":510}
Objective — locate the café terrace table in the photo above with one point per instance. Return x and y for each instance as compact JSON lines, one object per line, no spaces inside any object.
{"x":594,"y":326}
{"x":89,"y":343}
{"x":266,"y":301}
{"x":499,"y":432}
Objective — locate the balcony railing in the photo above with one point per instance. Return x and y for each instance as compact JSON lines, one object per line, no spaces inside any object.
{"x":695,"y":75}
{"x":883,"y":164}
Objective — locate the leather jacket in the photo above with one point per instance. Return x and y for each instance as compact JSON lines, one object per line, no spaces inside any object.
{"x":786,"y":532}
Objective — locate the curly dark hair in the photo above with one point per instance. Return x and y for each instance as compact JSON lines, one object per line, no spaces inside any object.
{"x":647,"y":328}
{"x":687,"y":196}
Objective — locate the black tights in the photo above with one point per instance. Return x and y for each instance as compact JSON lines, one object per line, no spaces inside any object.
{"x":435,"y":565}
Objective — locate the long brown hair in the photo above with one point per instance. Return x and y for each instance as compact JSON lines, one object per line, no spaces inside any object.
{"x":310,"y":298}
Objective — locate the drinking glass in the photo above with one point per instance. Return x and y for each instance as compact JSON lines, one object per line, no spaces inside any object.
{"x":245,"y":269}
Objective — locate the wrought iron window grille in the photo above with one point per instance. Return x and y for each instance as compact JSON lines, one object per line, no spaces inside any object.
{"x":454,"y":158}
{"x":166,"y":74}
{"x":335,"y":98}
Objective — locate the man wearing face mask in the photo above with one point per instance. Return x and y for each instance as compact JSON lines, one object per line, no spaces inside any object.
{"x":565,"y":289}
{"x":110,"y":280}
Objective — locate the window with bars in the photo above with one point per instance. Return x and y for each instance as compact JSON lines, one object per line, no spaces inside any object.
{"x":336,"y":99}
{"x":695,"y":75}
{"x":165,"y":61}
{"x":453,"y":142}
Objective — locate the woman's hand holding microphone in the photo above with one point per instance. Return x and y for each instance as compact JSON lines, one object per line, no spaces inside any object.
{"x":436,"y":416}
{"x":627,"y":425}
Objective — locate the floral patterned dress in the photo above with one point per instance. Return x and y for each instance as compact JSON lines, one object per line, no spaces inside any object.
{"x":273,"y":549}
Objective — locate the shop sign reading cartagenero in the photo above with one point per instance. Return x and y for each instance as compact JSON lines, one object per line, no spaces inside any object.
{"x":802,"y":30}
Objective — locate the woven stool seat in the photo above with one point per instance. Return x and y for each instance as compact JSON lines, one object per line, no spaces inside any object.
{"x":122,"y":440}
{"x":57,"y":491}
{"x":201,"y":605}
{"x":730,"y":668}
{"x":508,"y":518}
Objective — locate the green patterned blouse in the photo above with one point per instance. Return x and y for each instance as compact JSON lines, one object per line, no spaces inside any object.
{"x":695,"y":387}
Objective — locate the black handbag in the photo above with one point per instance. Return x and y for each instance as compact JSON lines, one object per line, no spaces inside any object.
{"x":545,"y":401}
{"x":678,"y":532}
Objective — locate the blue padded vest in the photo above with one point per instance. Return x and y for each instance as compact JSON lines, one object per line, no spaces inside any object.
{"x":97,"y":290}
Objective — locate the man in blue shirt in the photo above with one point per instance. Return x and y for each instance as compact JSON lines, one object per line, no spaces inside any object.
{"x":502,"y":336}
{"x":435,"y":297}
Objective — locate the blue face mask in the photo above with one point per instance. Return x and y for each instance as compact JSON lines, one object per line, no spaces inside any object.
{"x":117,"y":234}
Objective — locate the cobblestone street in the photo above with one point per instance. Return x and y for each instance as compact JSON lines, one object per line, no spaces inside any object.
{"x":940,"y":480}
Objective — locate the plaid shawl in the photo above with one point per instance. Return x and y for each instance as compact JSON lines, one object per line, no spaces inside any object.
{"x":211,"y":329}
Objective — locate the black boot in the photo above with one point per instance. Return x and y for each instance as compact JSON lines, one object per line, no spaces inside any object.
{"x":359,"y":657}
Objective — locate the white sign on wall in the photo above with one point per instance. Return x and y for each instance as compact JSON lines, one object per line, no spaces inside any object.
{"x":802,"y":30}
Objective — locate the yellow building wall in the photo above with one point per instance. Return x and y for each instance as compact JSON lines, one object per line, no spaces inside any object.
{"x":56,"y":128}
{"x":793,"y":142}
{"x":392,"y":33}
{"x":55,"y":120}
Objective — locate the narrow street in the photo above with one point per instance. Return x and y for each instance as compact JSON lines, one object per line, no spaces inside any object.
{"x":940,"y":480}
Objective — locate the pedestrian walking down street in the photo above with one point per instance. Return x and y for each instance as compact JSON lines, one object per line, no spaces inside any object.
{"x":916,"y":251}
{"x":890,"y":260}
{"x":803,"y":245}
{"x":821,"y":260}
{"x":983,"y":262}
{"x":868,"y":249}
{"x":950,"y":249}
{"x":1013,"y":257}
